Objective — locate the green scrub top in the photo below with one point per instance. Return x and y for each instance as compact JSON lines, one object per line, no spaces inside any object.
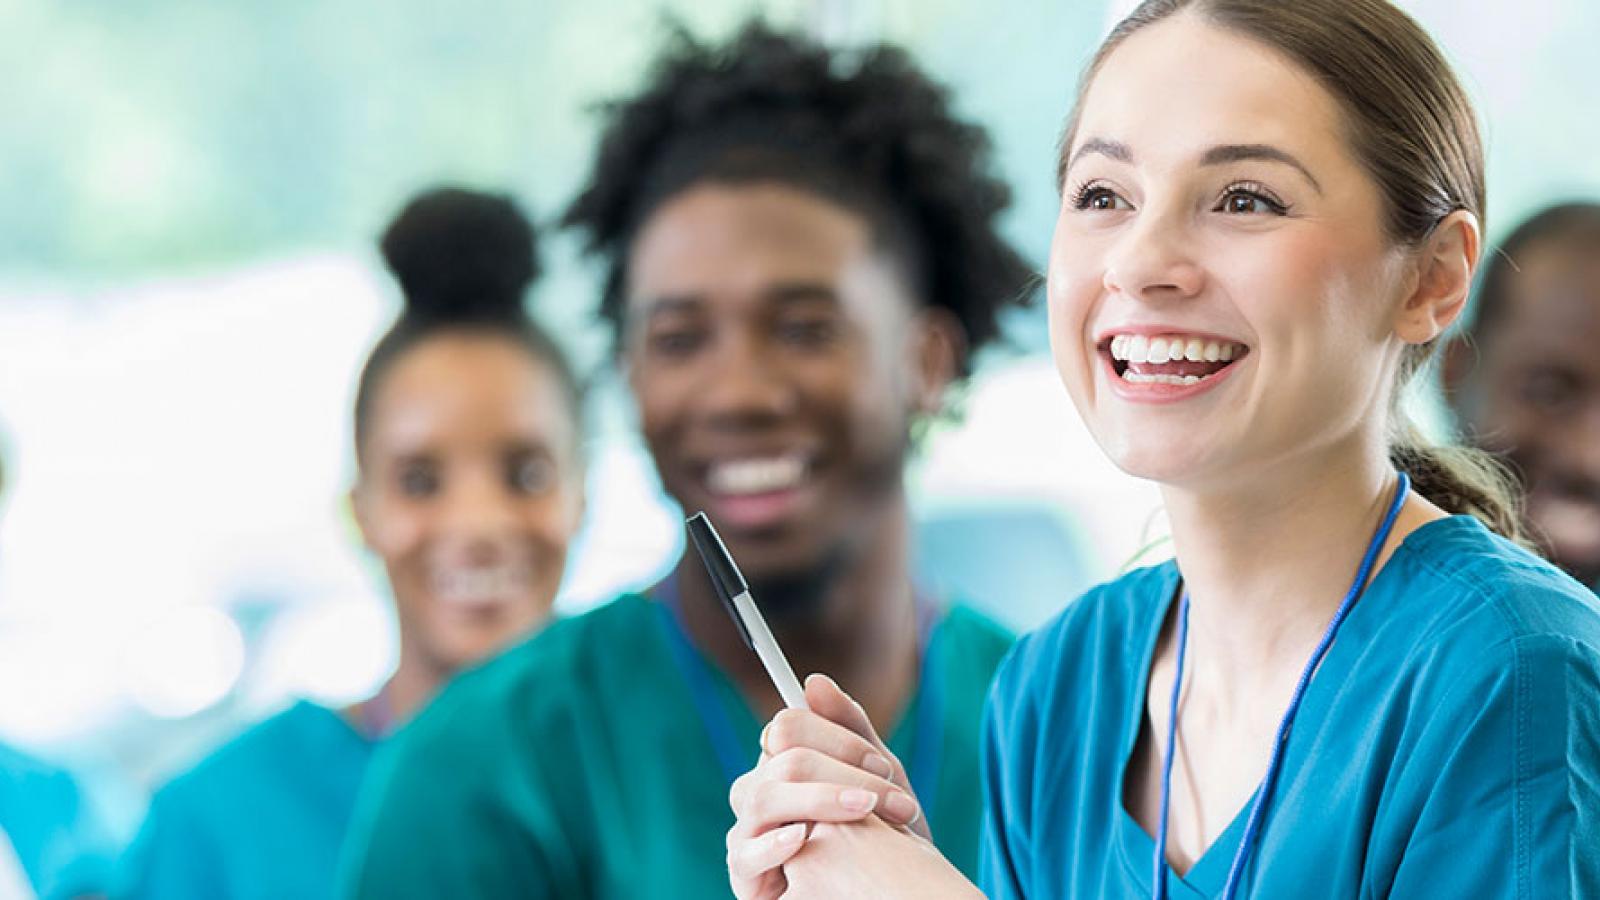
{"x":578,"y":765}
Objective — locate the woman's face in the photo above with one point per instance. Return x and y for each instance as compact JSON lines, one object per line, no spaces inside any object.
{"x":470,"y":490}
{"x":1222,"y":294}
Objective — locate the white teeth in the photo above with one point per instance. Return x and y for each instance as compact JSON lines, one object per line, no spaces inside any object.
{"x":756,"y":476}
{"x":1137,"y":348}
{"x":1158,"y":351}
{"x":1136,"y":378}
{"x":478,"y":586}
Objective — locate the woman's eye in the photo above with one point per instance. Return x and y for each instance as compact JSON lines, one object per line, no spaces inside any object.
{"x":1242,"y":202}
{"x":1100,"y":199}
{"x":531,"y":475}
{"x":419,"y":480}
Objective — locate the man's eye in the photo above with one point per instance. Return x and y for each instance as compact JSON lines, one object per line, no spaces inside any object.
{"x":675,"y":342}
{"x":808,"y":332}
{"x":1548,"y":390}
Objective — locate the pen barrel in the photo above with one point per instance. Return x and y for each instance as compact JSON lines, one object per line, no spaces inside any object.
{"x":766,"y":647}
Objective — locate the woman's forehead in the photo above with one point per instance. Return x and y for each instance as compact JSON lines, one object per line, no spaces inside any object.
{"x":1183,"y":85}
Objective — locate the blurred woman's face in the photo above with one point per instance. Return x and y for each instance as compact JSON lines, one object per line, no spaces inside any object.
{"x":1222,"y":294}
{"x":470,"y":491}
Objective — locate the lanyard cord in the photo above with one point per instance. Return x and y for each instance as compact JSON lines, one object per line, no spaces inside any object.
{"x":1258,"y":807}
{"x":922,"y":768}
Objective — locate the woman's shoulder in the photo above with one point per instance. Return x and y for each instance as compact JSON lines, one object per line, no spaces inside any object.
{"x":278,"y":743}
{"x":1474,"y":588}
{"x":550,"y":673}
{"x":1104,"y":631}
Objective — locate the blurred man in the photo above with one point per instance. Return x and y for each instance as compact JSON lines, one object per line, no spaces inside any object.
{"x":1524,"y":378}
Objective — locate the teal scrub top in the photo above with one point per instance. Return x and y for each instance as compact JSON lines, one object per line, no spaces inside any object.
{"x":58,"y":836}
{"x":579,"y":765}
{"x":264,"y":816}
{"x":1449,"y":745}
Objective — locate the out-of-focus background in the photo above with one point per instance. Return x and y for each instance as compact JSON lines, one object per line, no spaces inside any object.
{"x":189,"y":195}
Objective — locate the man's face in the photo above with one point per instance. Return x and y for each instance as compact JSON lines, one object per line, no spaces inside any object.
{"x":1532,"y":395}
{"x":772,"y":348}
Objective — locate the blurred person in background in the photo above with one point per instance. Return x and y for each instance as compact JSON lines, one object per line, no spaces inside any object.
{"x":1524,"y":377}
{"x":469,"y":488}
{"x":802,"y":255}
{"x":54,"y":843}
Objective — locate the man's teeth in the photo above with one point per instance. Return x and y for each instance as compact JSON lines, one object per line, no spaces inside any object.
{"x":1137,"y":348}
{"x":480,"y":585}
{"x":756,"y":476}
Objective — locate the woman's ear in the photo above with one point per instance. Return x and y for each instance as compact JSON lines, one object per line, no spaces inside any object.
{"x":938,"y":346}
{"x":356,"y":502}
{"x":1445,"y":263}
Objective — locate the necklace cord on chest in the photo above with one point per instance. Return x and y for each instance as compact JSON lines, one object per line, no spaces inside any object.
{"x":1280,"y":741}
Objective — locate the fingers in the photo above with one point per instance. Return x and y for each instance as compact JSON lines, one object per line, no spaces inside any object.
{"x":827,"y":699}
{"x":805,"y":785}
{"x":801,"y":729}
{"x":751,"y":858}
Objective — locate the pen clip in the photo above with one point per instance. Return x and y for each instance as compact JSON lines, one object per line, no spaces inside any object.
{"x":726,"y":579}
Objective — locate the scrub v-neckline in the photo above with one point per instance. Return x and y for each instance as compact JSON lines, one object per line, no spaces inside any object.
{"x":1207,"y":876}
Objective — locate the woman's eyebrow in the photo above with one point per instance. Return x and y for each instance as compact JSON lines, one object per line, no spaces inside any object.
{"x":1114,"y":149}
{"x":1230,"y":153}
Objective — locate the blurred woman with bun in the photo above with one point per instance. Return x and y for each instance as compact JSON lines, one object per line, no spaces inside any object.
{"x":469,"y":488}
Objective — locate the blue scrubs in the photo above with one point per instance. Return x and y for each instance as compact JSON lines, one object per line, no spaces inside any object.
{"x":265,"y":816}
{"x":58,"y":836}
{"x":1449,"y":746}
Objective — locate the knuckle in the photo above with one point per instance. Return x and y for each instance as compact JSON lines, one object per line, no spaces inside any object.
{"x":792,"y":765}
{"x":786,"y":730}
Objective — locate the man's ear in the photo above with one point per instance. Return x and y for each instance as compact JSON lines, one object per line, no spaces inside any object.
{"x":938,"y":347}
{"x":1444,"y":266}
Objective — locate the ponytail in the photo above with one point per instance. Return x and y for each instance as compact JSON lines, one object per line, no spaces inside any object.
{"x":1460,"y":480}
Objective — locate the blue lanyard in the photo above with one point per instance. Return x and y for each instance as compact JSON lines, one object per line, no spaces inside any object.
{"x":1258,"y":808}
{"x":734,"y":757}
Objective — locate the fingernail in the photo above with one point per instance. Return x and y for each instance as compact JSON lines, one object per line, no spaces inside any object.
{"x":764,"y":732}
{"x":878,"y":766}
{"x":789,"y":834}
{"x":857,"y":800}
{"x":899,"y":805}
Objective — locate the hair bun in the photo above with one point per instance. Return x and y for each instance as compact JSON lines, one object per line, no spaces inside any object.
{"x":462,"y":255}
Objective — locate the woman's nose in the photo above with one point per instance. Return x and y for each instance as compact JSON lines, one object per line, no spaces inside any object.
{"x":1153,"y":262}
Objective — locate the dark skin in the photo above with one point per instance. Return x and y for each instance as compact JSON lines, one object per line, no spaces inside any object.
{"x":1527,"y":387}
{"x":470,"y":490}
{"x":778,"y":357}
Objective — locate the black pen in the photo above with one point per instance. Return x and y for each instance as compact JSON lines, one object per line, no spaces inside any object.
{"x":730,"y":586}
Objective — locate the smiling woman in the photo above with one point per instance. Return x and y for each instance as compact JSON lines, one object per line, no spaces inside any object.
{"x":1270,"y":212}
{"x":469,"y":489}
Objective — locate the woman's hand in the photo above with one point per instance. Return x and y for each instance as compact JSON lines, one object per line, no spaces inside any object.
{"x":871,"y":860}
{"x":823,"y":765}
